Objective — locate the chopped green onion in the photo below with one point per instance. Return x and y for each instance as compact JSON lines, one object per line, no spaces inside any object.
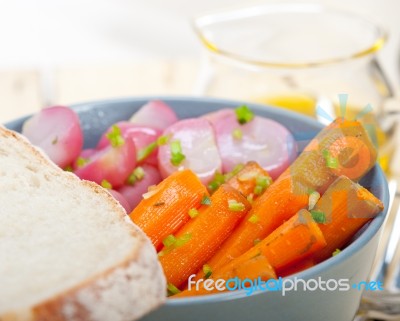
{"x":193,"y":212}
{"x":313,"y":199}
{"x":182,"y":240}
{"x":234,"y":171}
{"x":237,"y":133}
{"x":336,"y":252}
{"x":172,"y":289}
{"x":207,"y":271}
{"x":80,"y":162}
{"x":262,"y":183}
{"x":106,"y":184}
{"x":162,"y":140}
{"x":250,"y":198}
{"x":176,"y":153}
{"x":115,"y":137}
{"x":137,"y":175}
{"x":145,"y":152}
{"x":244,"y":114}
{"x":205,"y":200}
{"x":253,"y":219}
{"x":68,"y":168}
{"x":218,"y":180}
{"x":331,"y":162}
{"x":235,"y":206}
{"x":169,"y":240}
{"x":318,"y":216}
{"x":256,"y":241}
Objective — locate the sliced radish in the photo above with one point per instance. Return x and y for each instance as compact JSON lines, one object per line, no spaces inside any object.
{"x":155,"y":114}
{"x":261,"y":140}
{"x":110,"y":164}
{"x":57,"y":131}
{"x":142,"y":137}
{"x":198,"y":149}
{"x":121,"y":199}
{"x":133,"y":193}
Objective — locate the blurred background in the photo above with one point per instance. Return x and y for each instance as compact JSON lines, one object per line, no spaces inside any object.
{"x":64,"y":52}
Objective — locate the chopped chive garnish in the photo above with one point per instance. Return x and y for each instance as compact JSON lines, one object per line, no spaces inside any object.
{"x":137,"y":175}
{"x":68,"y":168}
{"x":237,"y":133}
{"x":205,"y":200}
{"x":235,"y":206}
{"x":169,"y":240}
{"x":162,"y":140}
{"x":331,"y":161}
{"x":253,"y":219}
{"x":256,"y":241}
{"x":244,"y":114}
{"x":218,"y":180}
{"x":145,"y":152}
{"x":318,"y":216}
{"x":234,"y":171}
{"x":106,"y":184}
{"x":115,"y":137}
{"x":336,"y":252}
{"x":313,"y":199}
{"x":176,"y":153}
{"x":250,"y":198}
{"x":262,"y":183}
{"x":193,"y":212}
{"x":182,"y":240}
{"x":207,"y":271}
{"x":80,"y":162}
{"x":172,"y":289}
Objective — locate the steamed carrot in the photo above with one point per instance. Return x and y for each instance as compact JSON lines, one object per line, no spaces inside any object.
{"x":164,"y":209}
{"x":293,"y":241}
{"x":343,"y":146}
{"x":296,"y":267}
{"x":252,"y":180}
{"x":202,"y":235}
{"x":256,"y":268}
{"x":346,"y":206}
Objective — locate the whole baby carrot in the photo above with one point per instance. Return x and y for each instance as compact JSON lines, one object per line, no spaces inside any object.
{"x":194,"y":244}
{"x":164,"y":209}
{"x":343,"y":146}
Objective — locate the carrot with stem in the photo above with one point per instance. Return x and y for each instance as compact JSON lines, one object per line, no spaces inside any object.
{"x":343,"y":146}
{"x":165,"y":208}
{"x":194,"y":244}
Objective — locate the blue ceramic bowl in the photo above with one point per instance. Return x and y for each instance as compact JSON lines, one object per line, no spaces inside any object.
{"x":353,"y":263}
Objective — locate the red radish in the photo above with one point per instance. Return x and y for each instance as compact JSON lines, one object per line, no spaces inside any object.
{"x":110,"y":164}
{"x":191,"y":145}
{"x":261,"y":140}
{"x":133,"y":193}
{"x":57,"y":131}
{"x":154,"y":114}
{"x":121,"y":200}
{"x":142,"y":137}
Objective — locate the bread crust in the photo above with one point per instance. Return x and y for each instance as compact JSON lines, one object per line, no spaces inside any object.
{"x":124,"y":292}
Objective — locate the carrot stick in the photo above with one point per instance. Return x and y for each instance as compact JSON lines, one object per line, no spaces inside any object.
{"x":256,"y":268}
{"x":203,"y":234}
{"x":293,"y":241}
{"x":343,"y":146}
{"x":165,"y":209}
{"x":347,"y":206}
{"x":251,"y":181}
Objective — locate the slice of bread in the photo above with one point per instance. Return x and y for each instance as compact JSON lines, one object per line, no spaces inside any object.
{"x":68,"y":251}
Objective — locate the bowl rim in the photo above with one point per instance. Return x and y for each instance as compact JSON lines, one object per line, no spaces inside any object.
{"x":367,"y":234}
